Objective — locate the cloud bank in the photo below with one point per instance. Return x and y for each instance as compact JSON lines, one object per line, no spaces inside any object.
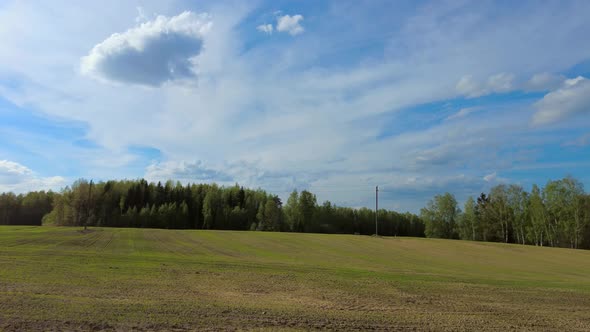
{"x":151,"y":53}
{"x":185,"y":172}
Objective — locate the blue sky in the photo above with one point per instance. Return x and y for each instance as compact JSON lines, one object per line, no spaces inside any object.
{"x":336,"y":97}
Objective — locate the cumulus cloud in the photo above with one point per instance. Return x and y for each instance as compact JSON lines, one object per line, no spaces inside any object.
{"x":290,"y":24}
{"x":185,"y":172}
{"x":498,"y":83}
{"x":572,"y":98}
{"x":285,"y":23}
{"x":266,"y":28}
{"x":17,"y":178}
{"x":150,"y":54}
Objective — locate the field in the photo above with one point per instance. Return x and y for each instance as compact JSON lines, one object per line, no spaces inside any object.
{"x":58,"y":278}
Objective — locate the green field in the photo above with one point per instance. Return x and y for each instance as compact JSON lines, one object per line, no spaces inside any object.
{"x":58,"y":278}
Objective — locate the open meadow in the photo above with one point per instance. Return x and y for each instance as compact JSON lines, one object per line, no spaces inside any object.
{"x":62,"y":278}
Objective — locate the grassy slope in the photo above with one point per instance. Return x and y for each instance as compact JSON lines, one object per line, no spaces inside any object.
{"x":56,"y":278}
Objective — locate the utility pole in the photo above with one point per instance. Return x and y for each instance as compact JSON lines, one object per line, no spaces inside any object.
{"x":376,"y":207}
{"x":88,"y":205}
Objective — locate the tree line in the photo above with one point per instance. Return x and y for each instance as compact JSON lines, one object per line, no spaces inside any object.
{"x":137,"y":203}
{"x":26,"y":209}
{"x":557,"y":215}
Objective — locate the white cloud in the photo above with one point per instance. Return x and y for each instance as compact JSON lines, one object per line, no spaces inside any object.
{"x":581,"y":141}
{"x":151,"y":53}
{"x":141,"y":17}
{"x":185,"y":172}
{"x":573,"y":81}
{"x":490,"y":177}
{"x":498,"y":83}
{"x":290,"y":24}
{"x":543,"y":82}
{"x":328,"y":91}
{"x":572,"y":98}
{"x":501,"y":82}
{"x":266,"y":28}
{"x":249,"y":174}
{"x":468,"y":86}
{"x":463,"y":113}
{"x":493,"y":179}
{"x":11,"y":171}
{"x":17,"y":178}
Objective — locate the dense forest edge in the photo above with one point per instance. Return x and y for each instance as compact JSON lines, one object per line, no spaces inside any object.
{"x":557,"y":215}
{"x":137,"y":203}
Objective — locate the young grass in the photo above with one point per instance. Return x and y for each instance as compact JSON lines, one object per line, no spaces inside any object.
{"x":56,"y":278}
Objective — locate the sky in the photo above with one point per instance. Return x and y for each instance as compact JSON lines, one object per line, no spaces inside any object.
{"x":335,"y":97}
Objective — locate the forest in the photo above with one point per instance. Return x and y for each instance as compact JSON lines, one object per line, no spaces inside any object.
{"x":137,"y":203}
{"x":557,"y":215}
